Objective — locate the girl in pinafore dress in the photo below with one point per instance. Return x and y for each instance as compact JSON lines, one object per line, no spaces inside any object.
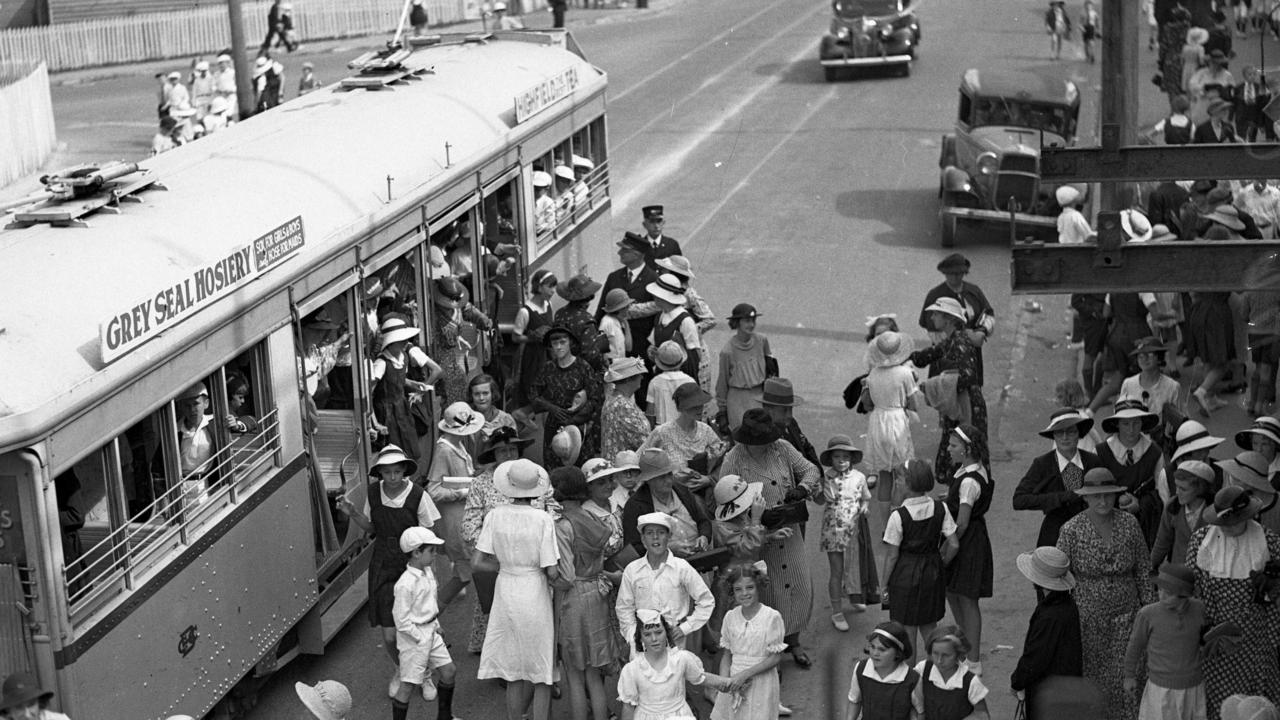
{"x":948,"y":688}
{"x":846,"y":535}
{"x":740,"y":381}
{"x":883,"y":686}
{"x":968,"y":498}
{"x":392,"y":386}
{"x":921,"y":538}
{"x":532,"y":322}
{"x":752,"y":642}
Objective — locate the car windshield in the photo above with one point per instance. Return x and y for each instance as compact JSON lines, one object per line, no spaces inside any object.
{"x":1050,"y":118}
{"x":859,"y":8}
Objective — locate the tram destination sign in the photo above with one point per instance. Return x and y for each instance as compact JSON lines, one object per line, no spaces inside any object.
{"x":545,"y":93}
{"x":146,"y":318}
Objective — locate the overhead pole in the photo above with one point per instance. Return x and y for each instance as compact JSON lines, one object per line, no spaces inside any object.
{"x":1119,"y":107}
{"x":244,"y":73}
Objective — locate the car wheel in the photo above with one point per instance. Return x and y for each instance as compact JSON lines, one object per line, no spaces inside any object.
{"x":950,"y":226}
{"x":831,"y":73}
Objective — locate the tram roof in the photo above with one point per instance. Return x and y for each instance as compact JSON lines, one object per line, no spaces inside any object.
{"x":324,"y":157}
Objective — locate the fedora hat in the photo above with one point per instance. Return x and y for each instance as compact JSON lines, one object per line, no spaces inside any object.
{"x":840,"y":442}
{"x":778,"y":391}
{"x":1249,"y":470}
{"x":690,"y":395}
{"x":667,"y":287}
{"x":502,"y":437}
{"x":1048,"y":567}
{"x":600,"y":468}
{"x":393,"y":455}
{"x":889,"y":349}
{"x":1066,"y":195}
{"x":1176,"y":579}
{"x":624,"y":367}
{"x":1148,"y":345}
{"x":521,"y":478}
{"x":948,"y":306}
{"x":653,"y":462}
{"x":20,"y":689}
{"x":735,"y":496}
{"x":670,"y":356}
{"x":578,"y":287}
{"x":634,"y":241}
{"x":678,"y":265}
{"x":567,"y":443}
{"x":1063,"y":418}
{"x":1265,"y":426}
{"x":954,"y":263}
{"x":460,"y":419}
{"x":1099,"y":481}
{"x":1192,"y":436}
{"x":1231,"y":505}
{"x":1227,"y":216}
{"x":1130,"y":408}
{"x":757,"y":428}
{"x":743,"y":311}
{"x":448,"y":292}
{"x":616,"y":299}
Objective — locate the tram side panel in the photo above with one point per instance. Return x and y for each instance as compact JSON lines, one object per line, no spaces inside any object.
{"x":186,"y":638}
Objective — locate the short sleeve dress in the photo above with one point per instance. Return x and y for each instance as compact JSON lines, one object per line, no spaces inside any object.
{"x":751,"y":641}
{"x":889,"y":442}
{"x":659,"y":694}
{"x":519,"y":643}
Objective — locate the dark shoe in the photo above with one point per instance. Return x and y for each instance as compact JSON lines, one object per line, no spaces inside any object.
{"x":802,"y":659}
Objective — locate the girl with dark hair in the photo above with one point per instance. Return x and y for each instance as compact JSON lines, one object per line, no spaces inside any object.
{"x":651,"y":686}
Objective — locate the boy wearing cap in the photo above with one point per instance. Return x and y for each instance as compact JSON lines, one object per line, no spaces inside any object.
{"x":663,"y":582}
{"x":422,"y":649}
{"x":1168,"y":632}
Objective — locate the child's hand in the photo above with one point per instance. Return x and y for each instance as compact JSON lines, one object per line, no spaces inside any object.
{"x":345,"y":507}
{"x":676,"y":635}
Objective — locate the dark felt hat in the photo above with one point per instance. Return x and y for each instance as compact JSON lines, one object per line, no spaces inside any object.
{"x":744,"y":311}
{"x":578,"y":287}
{"x":634,"y":242}
{"x":502,"y":437}
{"x":955,"y":262}
{"x":757,"y":428}
{"x":559,"y":330}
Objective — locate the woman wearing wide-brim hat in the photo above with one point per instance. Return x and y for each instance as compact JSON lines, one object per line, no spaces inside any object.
{"x":1223,"y":556}
{"x":623,"y":425}
{"x":1251,"y":470}
{"x":568,"y":391}
{"x":394,"y":391}
{"x":1155,"y":389}
{"x":698,"y":308}
{"x":1110,"y":559}
{"x":576,"y":315}
{"x":455,"y":317}
{"x":955,"y":351}
{"x":529,"y":331}
{"x":675,"y":322}
{"x":449,"y":481}
{"x":744,"y":365}
{"x":889,"y":386}
{"x":1135,"y":461}
{"x":1053,"y":649}
{"x":1263,"y":436}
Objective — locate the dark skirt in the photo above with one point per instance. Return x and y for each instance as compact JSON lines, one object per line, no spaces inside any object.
{"x":917,"y":593}
{"x":970,"y":573}
{"x":1211,"y":330}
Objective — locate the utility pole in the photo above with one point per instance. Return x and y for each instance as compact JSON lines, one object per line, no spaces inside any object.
{"x":1119,"y":111}
{"x":244,"y":73}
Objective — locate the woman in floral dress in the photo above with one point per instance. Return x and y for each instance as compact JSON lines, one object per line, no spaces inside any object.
{"x":623,"y":424}
{"x":453,"y":313}
{"x":1222,"y":556}
{"x":566,"y":390}
{"x":1110,"y":560}
{"x":686,"y":436}
{"x":953,"y":352}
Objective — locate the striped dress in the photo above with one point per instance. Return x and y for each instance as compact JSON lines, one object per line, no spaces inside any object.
{"x":781,"y":468}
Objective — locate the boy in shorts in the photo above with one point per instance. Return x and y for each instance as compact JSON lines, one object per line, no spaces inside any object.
{"x":416,"y":612}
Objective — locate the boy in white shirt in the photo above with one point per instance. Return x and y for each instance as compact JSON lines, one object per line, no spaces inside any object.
{"x":663,"y":582}
{"x":416,"y":613}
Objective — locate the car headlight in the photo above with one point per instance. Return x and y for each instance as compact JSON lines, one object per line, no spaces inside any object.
{"x":987,"y":163}
{"x":842,"y":33}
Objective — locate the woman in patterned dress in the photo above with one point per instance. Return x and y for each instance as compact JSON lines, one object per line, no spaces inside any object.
{"x":954,"y":352}
{"x":1110,"y":559}
{"x":566,"y":391}
{"x":761,"y":457}
{"x":686,"y":436}
{"x":623,"y":424}
{"x":1224,"y":556}
{"x":453,"y":313}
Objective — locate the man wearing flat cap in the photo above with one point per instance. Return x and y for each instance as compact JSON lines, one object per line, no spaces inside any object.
{"x":634,"y":277}
{"x":980,"y":319}
{"x":660,"y":246}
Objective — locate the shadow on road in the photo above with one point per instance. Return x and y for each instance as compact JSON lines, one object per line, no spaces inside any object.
{"x":885,"y":207}
{"x":801,"y":72}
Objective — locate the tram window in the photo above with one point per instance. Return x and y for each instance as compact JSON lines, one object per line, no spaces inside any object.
{"x":502,"y":241}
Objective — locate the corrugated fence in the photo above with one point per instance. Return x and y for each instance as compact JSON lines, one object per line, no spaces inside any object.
{"x":201,"y":31}
{"x":27,"y":135}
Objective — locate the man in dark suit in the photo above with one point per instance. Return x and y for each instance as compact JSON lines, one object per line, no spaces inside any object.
{"x":1251,"y":96}
{"x":1217,"y":129}
{"x":1050,"y":483}
{"x":1164,"y":203}
{"x":980,"y":317}
{"x":633,"y":276}
{"x":659,"y":245}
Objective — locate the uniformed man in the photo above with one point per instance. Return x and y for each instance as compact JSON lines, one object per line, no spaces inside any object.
{"x":660,"y":245}
{"x":634,"y":277}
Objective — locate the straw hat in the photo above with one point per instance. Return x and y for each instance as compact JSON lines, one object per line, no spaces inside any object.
{"x":668,"y":287}
{"x":521,"y":478}
{"x":840,"y":442}
{"x":653,"y":462}
{"x":616,"y":299}
{"x":393,"y":455}
{"x":1063,"y":418}
{"x":624,"y":367}
{"x":1226,"y":215}
{"x":626,"y":460}
{"x":1249,"y":470}
{"x":567,"y":443}
{"x":600,"y":468}
{"x":678,"y":265}
{"x":1232,"y":505}
{"x":1135,"y":225}
{"x":1099,"y":481}
{"x":735,"y":496}
{"x":1048,"y":567}
{"x":1161,"y":233}
{"x":327,"y":699}
{"x":460,"y":419}
{"x":948,"y":306}
{"x":1130,"y":408}
{"x":1192,"y":436}
{"x":670,"y":356}
{"x":889,"y":349}
{"x":1197,"y":36}
{"x":448,"y":292}
{"x":1265,"y":426}
{"x":395,"y":329}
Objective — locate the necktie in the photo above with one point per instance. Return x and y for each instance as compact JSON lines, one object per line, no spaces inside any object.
{"x":1128,"y":456}
{"x":1072,"y":477}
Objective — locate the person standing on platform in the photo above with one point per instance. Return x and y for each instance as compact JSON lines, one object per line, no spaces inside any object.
{"x":744,"y":365}
{"x":1050,"y":483}
{"x":979,"y":317}
{"x":660,"y":246}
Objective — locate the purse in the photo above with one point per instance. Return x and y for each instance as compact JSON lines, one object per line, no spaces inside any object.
{"x":771,"y":369}
{"x":709,"y":560}
{"x":796,"y":512}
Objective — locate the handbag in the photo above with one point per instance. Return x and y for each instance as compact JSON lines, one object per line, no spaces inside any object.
{"x":771,"y":369}
{"x":796,"y":512}
{"x":709,"y":560}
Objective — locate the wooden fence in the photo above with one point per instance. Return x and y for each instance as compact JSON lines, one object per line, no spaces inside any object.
{"x":201,"y":31}
{"x":27,"y":134}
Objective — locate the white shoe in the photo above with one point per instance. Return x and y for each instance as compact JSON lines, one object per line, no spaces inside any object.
{"x":394,"y":687}
{"x":841,"y":624}
{"x":783,"y":710}
{"x":429,"y":692}
{"x":859,"y":607}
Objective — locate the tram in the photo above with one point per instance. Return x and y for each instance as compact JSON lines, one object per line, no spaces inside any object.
{"x":169,"y":454}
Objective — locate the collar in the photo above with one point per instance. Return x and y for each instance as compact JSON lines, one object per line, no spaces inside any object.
{"x":204,"y":422}
{"x":1063,"y":462}
{"x":1140,"y":449}
{"x":974,"y":468}
{"x":955,"y":682}
{"x":665,"y":561}
{"x":898,"y":675}
{"x":918,"y":500}
{"x":414,"y":571}
{"x":398,"y":497}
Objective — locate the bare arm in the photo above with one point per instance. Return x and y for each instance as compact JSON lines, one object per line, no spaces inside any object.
{"x":979,"y":711}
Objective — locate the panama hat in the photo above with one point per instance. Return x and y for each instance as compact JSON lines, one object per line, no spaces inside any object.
{"x":393,"y":455}
{"x":1192,"y":436}
{"x":448,"y":292}
{"x":415,"y":537}
{"x":460,"y":419}
{"x":394,"y":329}
{"x":521,"y":478}
{"x":670,"y":356}
{"x":653,"y":462}
{"x":1232,"y":505}
{"x":616,"y":299}
{"x":1226,"y":215}
{"x":1249,"y":469}
{"x":260,"y":66}
{"x":735,"y":496}
{"x":502,"y":437}
{"x":889,"y":349}
{"x":667,"y":287}
{"x":948,"y":306}
{"x":1066,"y":195}
{"x":840,"y":442}
{"x":578,"y":287}
{"x":1099,"y":481}
{"x":778,"y":391}
{"x":678,"y":265}
{"x":757,"y":428}
{"x":954,"y":263}
{"x":567,"y":443}
{"x":1176,"y":579}
{"x":1048,"y":567}
{"x":1265,"y":426}
{"x":1063,"y":418}
{"x":743,"y":311}
{"x":624,"y":367}
{"x":541,"y":179}
{"x":20,"y":689}
{"x":600,"y":468}
{"x":1130,"y":408}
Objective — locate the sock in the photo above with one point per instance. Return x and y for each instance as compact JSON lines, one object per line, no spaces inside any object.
{"x":399,"y":710}
{"x":444,"y":702}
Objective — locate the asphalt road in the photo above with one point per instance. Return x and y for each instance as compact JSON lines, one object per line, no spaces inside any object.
{"x":814,"y":201}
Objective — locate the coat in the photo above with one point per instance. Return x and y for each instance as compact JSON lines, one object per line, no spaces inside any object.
{"x":641,"y":503}
{"x":641,"y":328}
{"x":667,"y":246}
{"x":1042,"y":489}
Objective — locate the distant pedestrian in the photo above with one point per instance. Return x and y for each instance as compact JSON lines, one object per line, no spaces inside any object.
{"x":1058,"y":25}
{"x":202,"y":89}
{"x":1073,"y":228}
{"x":557,"y":8}
{"x":308,"y":81}
{"x":418,"y":17}
{"x":1053,"y":648}
{"x":224,"y":85}
{"x":660,"y":244}
{"x":1090,"y":20}
{"x":846,"y":535}
{"x":744,"y":365}
{"x":273,"y":28}
{"x":502,"y":21}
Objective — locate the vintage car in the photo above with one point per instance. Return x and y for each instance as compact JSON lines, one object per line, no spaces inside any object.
{"x":991,"y":164}
{"x":870,"y":33}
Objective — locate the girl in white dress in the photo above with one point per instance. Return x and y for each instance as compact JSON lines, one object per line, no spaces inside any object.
{"x":520,"y":540}
{"x":889,"y":385}
{"x":651,"y":686}
{"x":751,"y":638}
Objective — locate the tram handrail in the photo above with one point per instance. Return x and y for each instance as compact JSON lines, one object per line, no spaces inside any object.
{"x":597,"y":182}
{"x":177,"y":512}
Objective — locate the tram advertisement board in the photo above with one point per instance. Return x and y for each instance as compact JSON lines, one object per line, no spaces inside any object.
{"x":142,"y":320}
{"x":545,"y":92}
{"x":12,"y":547}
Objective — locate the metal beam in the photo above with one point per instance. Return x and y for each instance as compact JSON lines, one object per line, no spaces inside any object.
{"x":1118,"y":112}
{"x":1223,"y":266}
{"x":1237,"y":161}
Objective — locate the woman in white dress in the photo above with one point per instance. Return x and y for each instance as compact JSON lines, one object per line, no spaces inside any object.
{"x":889,"y":385}
{"x":519,"y":644}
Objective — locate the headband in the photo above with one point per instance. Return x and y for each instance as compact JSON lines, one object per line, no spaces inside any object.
{"x":958,"y":431}
{"x":889,"y":636}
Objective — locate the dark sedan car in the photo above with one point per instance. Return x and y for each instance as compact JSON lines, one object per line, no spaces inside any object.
{"x":870,"y":33}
